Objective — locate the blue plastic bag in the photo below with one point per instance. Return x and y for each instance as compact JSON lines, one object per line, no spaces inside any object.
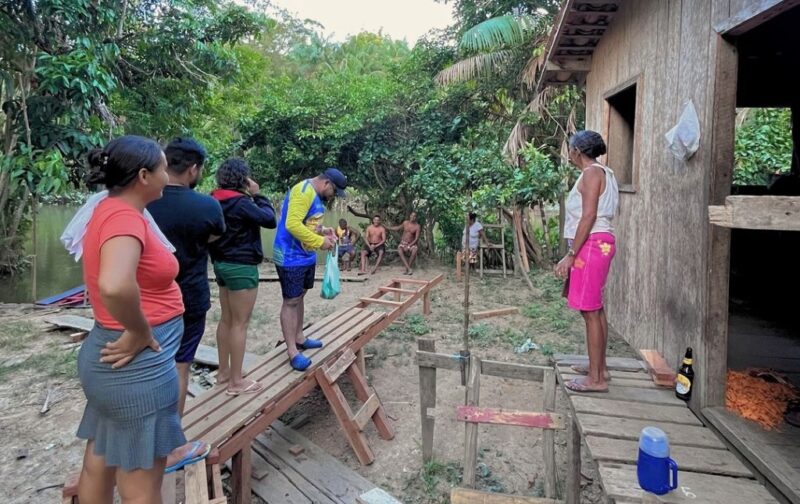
{"x":330,"y":281}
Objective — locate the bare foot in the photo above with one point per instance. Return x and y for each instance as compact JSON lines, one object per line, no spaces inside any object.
{"x":584,"y":370}
{"x":244,"y":387}
{"x":222,"y":377}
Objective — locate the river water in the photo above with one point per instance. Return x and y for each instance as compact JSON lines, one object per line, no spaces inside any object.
{"x":56,"y":271}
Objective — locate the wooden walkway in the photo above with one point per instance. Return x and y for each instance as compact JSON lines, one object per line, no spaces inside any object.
{"x":610,"y":424}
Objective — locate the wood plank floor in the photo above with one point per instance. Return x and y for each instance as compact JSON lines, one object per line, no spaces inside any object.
{"x":610,"y":424}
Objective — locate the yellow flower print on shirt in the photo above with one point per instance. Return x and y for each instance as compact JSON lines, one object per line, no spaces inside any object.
{"x":605,"y":248}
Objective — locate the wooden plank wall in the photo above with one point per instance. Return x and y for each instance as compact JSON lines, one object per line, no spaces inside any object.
{"x":657,"y":289}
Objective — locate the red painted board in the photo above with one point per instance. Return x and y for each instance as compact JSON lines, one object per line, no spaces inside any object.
{"x":475,"y":414}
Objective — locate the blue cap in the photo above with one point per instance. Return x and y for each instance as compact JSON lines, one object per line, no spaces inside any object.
{"x":653,"y":441}
{"x":338,"y":179}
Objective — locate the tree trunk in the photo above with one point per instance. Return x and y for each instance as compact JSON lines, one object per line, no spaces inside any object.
{"x":562,"y":210}
{"x":517,"y":257}
{"x":545,"y":229}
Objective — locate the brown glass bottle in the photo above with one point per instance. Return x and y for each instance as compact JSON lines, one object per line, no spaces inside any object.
{"x":685,"y":379}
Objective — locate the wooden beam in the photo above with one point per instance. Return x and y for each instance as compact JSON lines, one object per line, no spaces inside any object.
{"x":488,"y":367}
{"x":335,"y":370}
{"x":380,"y":301}
{"x":565,"y":65}
{"x":397,"y":290}
{"x":427,"y":399}
{"x":410,"y":281}
{"x":467,"y":496}
{"x":364,"y":414}
{"x":773,"y":213}
{"x":471,"y":429}
{"x":496,"y":416}
{"x":573,"y":481}
{"x":755,"y":14}
{"x":663,"y":375}
{"x":241,"y":471}
{"x":196,"y":485}
{"x":549,"y":436}
{"x":498,"y":312}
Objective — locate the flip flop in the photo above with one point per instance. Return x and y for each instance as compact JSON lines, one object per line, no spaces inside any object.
{"x":309,"y":343}
{"x":584,"y":370}
{"x":250,"y":389}
{"x":578,"y":385}
{"x":300,"y":362}
{"x":190,"y":458}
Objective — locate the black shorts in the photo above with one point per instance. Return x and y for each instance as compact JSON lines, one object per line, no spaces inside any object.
{"x":379,"y":248}
{"x":296,"y":280}
{"x":194,"y":325}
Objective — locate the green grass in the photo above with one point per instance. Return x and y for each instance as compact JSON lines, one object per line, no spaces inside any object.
{"x":434,"y":472}
{"x":54,"y":362}
{"x":16,"y":335}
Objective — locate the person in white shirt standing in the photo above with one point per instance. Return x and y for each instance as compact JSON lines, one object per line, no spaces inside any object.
{"x":590,"y":208}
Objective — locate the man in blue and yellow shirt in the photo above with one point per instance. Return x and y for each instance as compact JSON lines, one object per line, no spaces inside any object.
{"x":300,"y":234}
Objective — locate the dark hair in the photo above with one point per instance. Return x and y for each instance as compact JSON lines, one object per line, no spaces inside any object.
{"x":184,"y":152}
{"x":118,"y":163}
{"x":589,"y":143}
{"x":233,"y":174}
{"x":376,"y":215}
{"x":342,"y":222}
{"x":473,"y":216}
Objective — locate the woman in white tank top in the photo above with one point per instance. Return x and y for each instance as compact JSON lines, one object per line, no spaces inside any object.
{"x":590,"y":209}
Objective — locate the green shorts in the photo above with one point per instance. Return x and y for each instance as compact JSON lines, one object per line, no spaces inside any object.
{"x":236,"y":276}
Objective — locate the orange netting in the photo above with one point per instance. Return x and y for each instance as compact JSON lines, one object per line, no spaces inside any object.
{"x":756,"y":399}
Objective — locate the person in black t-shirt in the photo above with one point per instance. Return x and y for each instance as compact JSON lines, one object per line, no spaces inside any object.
{"x":190,"y":221}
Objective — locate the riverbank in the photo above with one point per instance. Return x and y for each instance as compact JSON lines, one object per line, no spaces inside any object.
{"x":37,"y":360}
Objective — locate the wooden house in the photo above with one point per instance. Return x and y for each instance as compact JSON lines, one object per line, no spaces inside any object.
{"x":692,"y":247}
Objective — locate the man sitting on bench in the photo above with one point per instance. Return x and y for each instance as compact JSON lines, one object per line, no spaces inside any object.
{"x":375,"y":243}
{"x":408,"y":243}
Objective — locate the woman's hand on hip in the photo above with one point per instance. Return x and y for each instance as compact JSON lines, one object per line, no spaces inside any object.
{"x":120,"y":352}
{"x":563,"y":266}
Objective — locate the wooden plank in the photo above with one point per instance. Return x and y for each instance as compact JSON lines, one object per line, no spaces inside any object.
{"x":471,"y":429}
{"x":321,"y":468}
{"x":363,"y":393}
{"x":397,"y":290}
{"x":364,"y":414}
{"x":216,"y":481}
{"x":427,"y":398}
{"x":658,"y":368}
{"x":317,"y":278}
{"x":549,"y":385}
{"x":335,"y":370}
{"x":623,"y":409}
{"x":411,"y":281}
{"x":629,"y":428}
{"x":616,"y":363}
{"x":209,"y":356}
{"x":376,"y":496}
{"x":488,"y":367}
{"x":241,"y":471}
{"x":702,"y":460}
{"x":282,"y":487}
{"x":634,"y":394}
{"x":168,"y":488}
{"x":70,"y":322}
{"x":626,"y":375}
{"x":773,"y":213}
{"x":620,"y":482}
{"x":573,"y":480}
{"x":196,"y":486}
{"x":756,"y":13}
{"x":754,"y":444}
{"x":386,"y":302}
{"x":499,"y":416}
{"x":467,"y":496}
{"x":340,"y":407}
{"x":619,"y":382}
{"x":498,"y":312}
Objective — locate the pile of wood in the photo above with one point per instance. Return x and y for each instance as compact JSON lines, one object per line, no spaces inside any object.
{"x":752,"y":397}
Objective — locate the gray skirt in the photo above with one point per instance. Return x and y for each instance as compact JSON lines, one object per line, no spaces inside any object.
{"x":132,"y":412}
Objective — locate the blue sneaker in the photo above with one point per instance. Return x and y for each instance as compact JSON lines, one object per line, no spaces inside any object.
{"x":309,"y":343}
{"x":300,"y":362}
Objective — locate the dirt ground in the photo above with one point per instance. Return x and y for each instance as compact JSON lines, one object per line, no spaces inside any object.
{"x":40,"y":450}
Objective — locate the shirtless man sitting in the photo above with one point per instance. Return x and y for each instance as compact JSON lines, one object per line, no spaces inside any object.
{"x":375,"y":242}
{"x":408,"y":243}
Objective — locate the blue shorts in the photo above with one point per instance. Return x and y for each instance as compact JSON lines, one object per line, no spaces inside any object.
{"x":194,"y":325}
{"x":346,"y":249}
{"x":296,"y":280}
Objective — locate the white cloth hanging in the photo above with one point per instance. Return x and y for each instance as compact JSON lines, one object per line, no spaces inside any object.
{"x":73,"y":234}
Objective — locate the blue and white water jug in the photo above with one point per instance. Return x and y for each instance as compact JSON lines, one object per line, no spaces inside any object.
{"x":657,"y":472}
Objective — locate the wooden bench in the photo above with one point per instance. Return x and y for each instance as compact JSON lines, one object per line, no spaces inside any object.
{"x":610,"y":423}
{"x":231,"y":423}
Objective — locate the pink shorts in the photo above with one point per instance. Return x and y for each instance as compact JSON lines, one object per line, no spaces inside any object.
{"x":589,"y":272}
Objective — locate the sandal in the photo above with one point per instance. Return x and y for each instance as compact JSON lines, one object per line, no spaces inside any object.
{"x":584,"y":370}
{"x":300,"y":362}
{"x":579,"y":385}
{"x":250,"y":389}
{"x":191,"y":457}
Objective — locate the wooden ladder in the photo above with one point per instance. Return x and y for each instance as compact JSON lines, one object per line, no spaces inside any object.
{"x":371,"y":409}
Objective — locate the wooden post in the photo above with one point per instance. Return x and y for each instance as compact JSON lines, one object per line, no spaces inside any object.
{"x":549,"y":435}
{"x":241,"y":470}
{"x":364,"y":394}
{"x":458,"y":265}
{"x":573,"y":482}
{"x":361,"y":361}
{"x":426,"y":303}
{"x":503,"y":243}
{"x":427,"y":399}
{"x":195,"y":483}
{"x":471,"y":429}
{"x":35,"y":211}
{"x":168,"y":489}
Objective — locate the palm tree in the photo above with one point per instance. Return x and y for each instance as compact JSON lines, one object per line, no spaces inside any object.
{"x":494,"y":47}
